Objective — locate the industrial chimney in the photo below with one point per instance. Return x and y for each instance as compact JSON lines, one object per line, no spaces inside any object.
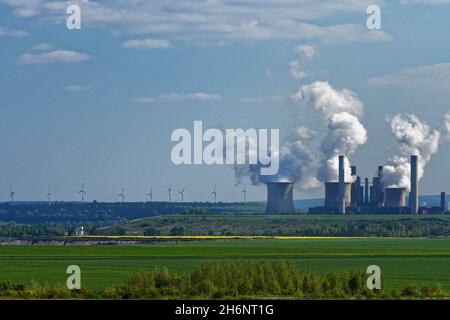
{"x":414,"y":201}
{"x":366,"y":194}
{"x":443,"y":202}
{"x":341,"y":199}
{"x":380,"y":191}
{"x":280,"y":197}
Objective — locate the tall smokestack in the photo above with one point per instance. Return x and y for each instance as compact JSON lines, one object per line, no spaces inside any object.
{"x":380,"y":191}
{"x":366,"y":195}
{"x":355,"y":188}
{"x":374,"y":192}
{"x":443,"y":202}
{"x":280,"y":197}
{"x":341,"y":199}
{"x":414,"y":203}
{"x":361,"y":196}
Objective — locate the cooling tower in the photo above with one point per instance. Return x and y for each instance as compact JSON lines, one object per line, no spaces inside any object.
{"x":414,"y":201}
{"x":280,"y":197}
{"x":395,"y":197}
{"x":332,"y":195}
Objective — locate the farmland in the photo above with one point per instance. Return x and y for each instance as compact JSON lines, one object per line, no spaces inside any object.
{"x":417,"y":261}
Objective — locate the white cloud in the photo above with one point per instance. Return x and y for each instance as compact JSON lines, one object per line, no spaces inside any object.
{"x":307,"y":51}
{"x":216,"y":21}
{"x":147,"y":44}
{"x":77,"y":87}
{"x":8,"y":32}
{"x":56,"y":56}
{"x":447,"y":125}
{"x":296,"y":70}
{"x":260,"y":99}
{"x":178,"y":97}
{"x":43,"y":46}
{"x":435,"y":76}
{"x":426,"y":2}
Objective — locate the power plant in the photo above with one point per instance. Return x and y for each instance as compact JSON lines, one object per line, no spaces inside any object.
{"x":350,"y":196}
{"x":280,"y":197}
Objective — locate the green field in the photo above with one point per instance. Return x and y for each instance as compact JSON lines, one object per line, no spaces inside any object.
{"x":402,"y":261}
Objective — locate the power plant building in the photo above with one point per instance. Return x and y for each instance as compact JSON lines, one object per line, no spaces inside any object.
{"x":344,"y":196}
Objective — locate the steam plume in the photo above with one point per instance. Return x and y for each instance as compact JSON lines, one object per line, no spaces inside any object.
{"x":341,"y":111}
{"x":297,"y":163}
{"x":415,"y":137}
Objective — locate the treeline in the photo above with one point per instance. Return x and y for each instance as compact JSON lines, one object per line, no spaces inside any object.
{"x":400,"y":228}
{"x":23,"y":231}
{"x":228,"y":280}
{"x":298,"y":225}
{"x":107,"y":213}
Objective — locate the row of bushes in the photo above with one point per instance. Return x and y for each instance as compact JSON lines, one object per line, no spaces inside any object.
{"x":228,"y":280}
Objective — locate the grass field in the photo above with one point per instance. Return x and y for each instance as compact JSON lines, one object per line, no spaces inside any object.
{"x":402,"y":261}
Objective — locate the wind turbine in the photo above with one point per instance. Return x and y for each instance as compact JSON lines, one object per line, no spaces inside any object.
{"x":181,"y":192}
{"x":82,"y":192}
{"x":49,"y":196}
{"x":170,"y":193}
{"x":244,"y":193}
{"x":122,"y":194}
{"x":214,"y":194}
{"x":11,"y":194}
{"x":150,"y":195}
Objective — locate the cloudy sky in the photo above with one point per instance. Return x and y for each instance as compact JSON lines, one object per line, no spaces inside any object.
{"x":98,"y":105}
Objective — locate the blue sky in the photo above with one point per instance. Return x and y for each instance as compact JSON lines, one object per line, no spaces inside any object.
{"x":98,"y":105}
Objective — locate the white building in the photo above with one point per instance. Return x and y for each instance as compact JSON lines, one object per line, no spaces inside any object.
{"x":79,"y":232}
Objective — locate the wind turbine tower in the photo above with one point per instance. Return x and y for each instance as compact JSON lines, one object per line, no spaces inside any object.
{"x":82,"y":192}
{"x":150,"y":195}
{"x":11,"y":194}
{"x":170,"y":193}
{"x":122,"y":195}
{"x":181,"y":192}
{"x":214,"y":194}
{"x":244,"y":193}
{"x":49,"y":196}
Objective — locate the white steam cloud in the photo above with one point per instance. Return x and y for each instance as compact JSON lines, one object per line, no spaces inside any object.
{"x":447,"y":124}
{"x":297,"y":163}
{"x":341,"y":111}
{"x":415,"y":138}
